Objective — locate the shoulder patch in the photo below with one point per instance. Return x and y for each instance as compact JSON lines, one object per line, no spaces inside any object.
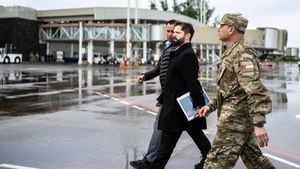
{"x":247,"y":64}
{"x":247,"y":68}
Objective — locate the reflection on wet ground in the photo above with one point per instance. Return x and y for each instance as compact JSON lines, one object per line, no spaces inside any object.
{"x":103,"y":118}
{"x":48,"y":88}
{"x":30,"y":89}
{"x":281,"y":80}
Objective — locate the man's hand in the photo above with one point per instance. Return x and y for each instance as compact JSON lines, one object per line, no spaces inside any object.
{"x":157,"y":104}
{"x":203,"y":111}
{"x":141,"y":78}
{"x":261,"y":136}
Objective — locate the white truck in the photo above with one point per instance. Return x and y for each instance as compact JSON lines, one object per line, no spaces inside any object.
{"x":9,"y":57}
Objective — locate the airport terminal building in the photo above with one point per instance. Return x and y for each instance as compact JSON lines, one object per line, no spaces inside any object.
{"x":102,"y":30}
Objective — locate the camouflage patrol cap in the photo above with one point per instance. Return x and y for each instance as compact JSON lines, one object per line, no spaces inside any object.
{"x":236,"y":20}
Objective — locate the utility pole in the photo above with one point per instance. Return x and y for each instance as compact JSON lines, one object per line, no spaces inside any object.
{"x":128,"y":45}
{"x":202,"y":5}
{"x":80,"y":43}
{"x":136,"y":12}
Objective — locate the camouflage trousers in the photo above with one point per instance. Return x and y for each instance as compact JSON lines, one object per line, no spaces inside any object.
{"x":228,"y":145}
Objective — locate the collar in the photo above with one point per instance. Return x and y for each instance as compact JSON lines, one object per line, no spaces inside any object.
{"x":168,"y":44}
{"x":232,"y":47}
{"x":181,"y":48}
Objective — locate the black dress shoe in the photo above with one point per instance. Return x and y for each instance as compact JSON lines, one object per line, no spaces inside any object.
{"x":140,"y":164}
{"x":199,"y":166}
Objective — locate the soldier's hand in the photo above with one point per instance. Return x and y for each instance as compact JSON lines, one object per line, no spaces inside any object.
{"x":141,"y":78}
{"x":261,"y":136}
{"x":203,"y":111}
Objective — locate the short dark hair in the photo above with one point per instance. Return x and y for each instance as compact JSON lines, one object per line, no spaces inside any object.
{"x":186,"y":27}
{"x":171,"y":22}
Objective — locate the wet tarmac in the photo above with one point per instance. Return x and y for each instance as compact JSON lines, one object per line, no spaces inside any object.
{"x":98,"y":117}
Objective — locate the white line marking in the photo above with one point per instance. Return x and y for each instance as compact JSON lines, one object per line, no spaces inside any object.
{"x":115,"y":99}
{"x":39,"y":94}
{"x":105,"y":95}
{"x":137,"y":107}
{"x":205,"y":132}
{"x":124,"y":102}
{"x":127,"y":103}
{"x":151,"y":112}
{"x":15,"y":166}
{"x":101,"y":94}
{"x":282,"y":160}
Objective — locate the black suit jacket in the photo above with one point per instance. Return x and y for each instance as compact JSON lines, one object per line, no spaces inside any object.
{"x":182,"y":77}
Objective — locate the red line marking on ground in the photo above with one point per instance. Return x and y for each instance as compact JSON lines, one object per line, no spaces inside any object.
{"x":134,"y":103}
{"x":273,"y":150}
{"x":283,"y":153}
{"x":211,"y":129}
{"x":141,"y":105}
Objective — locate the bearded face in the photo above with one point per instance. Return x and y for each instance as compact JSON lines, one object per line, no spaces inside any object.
{"x":179,"y":35}
{"x":178,"y":42}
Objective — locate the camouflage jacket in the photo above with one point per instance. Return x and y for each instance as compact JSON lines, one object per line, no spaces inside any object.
{"x":242,"y":100}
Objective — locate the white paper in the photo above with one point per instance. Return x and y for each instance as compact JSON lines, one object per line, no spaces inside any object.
{"x":186,"y":104}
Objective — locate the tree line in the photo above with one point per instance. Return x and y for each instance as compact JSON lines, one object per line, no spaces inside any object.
{"x":197,"y":9}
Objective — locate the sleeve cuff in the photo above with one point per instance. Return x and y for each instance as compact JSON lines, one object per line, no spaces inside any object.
{"x":259,"y":119}
{"x":211,"y":107}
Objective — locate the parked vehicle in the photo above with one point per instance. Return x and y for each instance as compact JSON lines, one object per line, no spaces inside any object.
{"x":99,"y":58}
{"x":107,"y":58}
{"x":59,"y":56}
{"x":9,"y":57}
{"x":120,"y":58}
{"x":74,"y":58}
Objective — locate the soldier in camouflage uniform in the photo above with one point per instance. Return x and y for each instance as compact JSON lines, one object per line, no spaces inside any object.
{"x":242,"y":102}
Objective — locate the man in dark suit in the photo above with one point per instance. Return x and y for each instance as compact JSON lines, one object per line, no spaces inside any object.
{"x":159,"y":70}
{"x":182,"y":77}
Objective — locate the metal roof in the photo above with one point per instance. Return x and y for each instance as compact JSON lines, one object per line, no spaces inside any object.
{"x":111,"y":13}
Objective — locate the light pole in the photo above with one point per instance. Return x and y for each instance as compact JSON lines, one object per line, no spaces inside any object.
{"x":80,"y":43}
{"x":128,"y":45}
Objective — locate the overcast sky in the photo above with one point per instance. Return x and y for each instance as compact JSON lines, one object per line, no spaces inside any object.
{"x":281,"y":14}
